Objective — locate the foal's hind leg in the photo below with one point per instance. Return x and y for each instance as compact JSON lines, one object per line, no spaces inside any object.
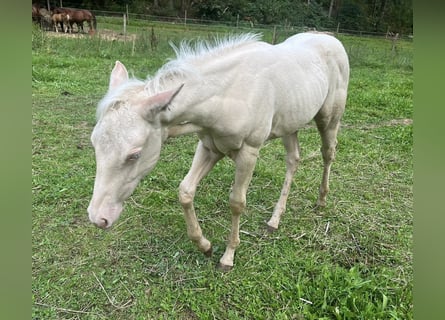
{"x":328,"y":129}
{"x":292,"y":160}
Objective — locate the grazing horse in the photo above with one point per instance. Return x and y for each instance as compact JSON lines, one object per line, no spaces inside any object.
{"x":63,"y":20}
{"x":78,"y":16}
{"x":35,"y":13}
{"x":235,"y":95}
{"x":45,"y":20}
{"x":65,"y":11}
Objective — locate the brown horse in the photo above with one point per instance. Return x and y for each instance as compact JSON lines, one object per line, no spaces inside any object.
{"x":66,"y":11}
{"x":81,"y":15}
{"x":42,"y":17}
{"x":63,"y":20}
{"x":35,"y":13}
{"x":78,"y":16}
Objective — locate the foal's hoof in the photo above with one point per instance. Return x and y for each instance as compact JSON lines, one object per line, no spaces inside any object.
{"x":271,"y":229}
{"x":320,"y":203}
{"x":318,"y":206}
{"x":209,"y":252}
{"x":224,"y":267}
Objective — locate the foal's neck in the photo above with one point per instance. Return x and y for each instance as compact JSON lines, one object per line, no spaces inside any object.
{"x":188,"y":112}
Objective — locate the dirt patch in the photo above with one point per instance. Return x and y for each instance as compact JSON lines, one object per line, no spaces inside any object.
{"x":390,"y":123}
{"x":105,"y":34}
{"x":397,"y":122}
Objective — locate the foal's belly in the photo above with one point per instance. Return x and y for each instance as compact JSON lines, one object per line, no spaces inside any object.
{"x":286,"y":123}
{"x":223,"y":145}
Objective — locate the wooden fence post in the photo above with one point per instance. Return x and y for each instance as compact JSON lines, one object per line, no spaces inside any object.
{"x":274,"y":35}
{"x":125,"y":25}
{"x":394,"y":43}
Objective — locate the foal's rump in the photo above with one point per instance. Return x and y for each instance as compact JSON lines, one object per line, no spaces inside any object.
{"x":306,"y":71}
{"x":319,"y":57}
{"x":263,"y":91}
{"x":330,"y":59}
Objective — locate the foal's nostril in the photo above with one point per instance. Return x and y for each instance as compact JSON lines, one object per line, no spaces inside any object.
{"x":105,"y":223}
{"x":102,"y":223}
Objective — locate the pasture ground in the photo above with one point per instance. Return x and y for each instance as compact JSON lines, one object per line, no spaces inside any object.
{"x":350,"y":260}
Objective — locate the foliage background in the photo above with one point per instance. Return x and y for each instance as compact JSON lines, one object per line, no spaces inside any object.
{"x":364,"y":15}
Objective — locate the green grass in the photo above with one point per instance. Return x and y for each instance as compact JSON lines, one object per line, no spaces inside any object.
{"x":350,"y":260}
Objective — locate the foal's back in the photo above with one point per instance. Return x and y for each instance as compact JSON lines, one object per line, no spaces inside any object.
{"x":282,"y":87}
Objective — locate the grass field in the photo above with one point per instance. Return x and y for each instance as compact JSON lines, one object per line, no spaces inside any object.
{"x":350,"y":260}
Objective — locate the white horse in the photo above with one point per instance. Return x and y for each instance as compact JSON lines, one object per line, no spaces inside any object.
{"x":235,"y":96}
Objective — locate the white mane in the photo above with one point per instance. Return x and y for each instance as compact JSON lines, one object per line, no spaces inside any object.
{"x":180,"y":67}
{"x":187,"y":53}
{"x":114,"y":96}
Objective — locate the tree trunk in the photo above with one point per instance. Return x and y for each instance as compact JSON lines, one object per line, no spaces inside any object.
{"x":382,"y":10}
{"x":380,"y":14}
{"x":331,"y":6}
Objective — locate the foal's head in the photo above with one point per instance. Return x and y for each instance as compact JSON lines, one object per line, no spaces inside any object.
{"x":127,"y":141}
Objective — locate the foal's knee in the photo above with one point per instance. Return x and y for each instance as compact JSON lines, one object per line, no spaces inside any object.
{"x":186,"y":196}
{"x":328,"y":153}
{"x":293,"y":160}
{"x":237,"y":206}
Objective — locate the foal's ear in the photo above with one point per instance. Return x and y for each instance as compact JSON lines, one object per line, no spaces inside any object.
{"x":159,"y":102}
{"x":119,"y":74}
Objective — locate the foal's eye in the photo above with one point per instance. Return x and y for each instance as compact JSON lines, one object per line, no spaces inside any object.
{"x":134,"y":156}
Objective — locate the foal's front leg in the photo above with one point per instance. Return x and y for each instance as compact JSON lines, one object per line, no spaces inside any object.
{"x":245,"y":160}
{"x":203,"y":161}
